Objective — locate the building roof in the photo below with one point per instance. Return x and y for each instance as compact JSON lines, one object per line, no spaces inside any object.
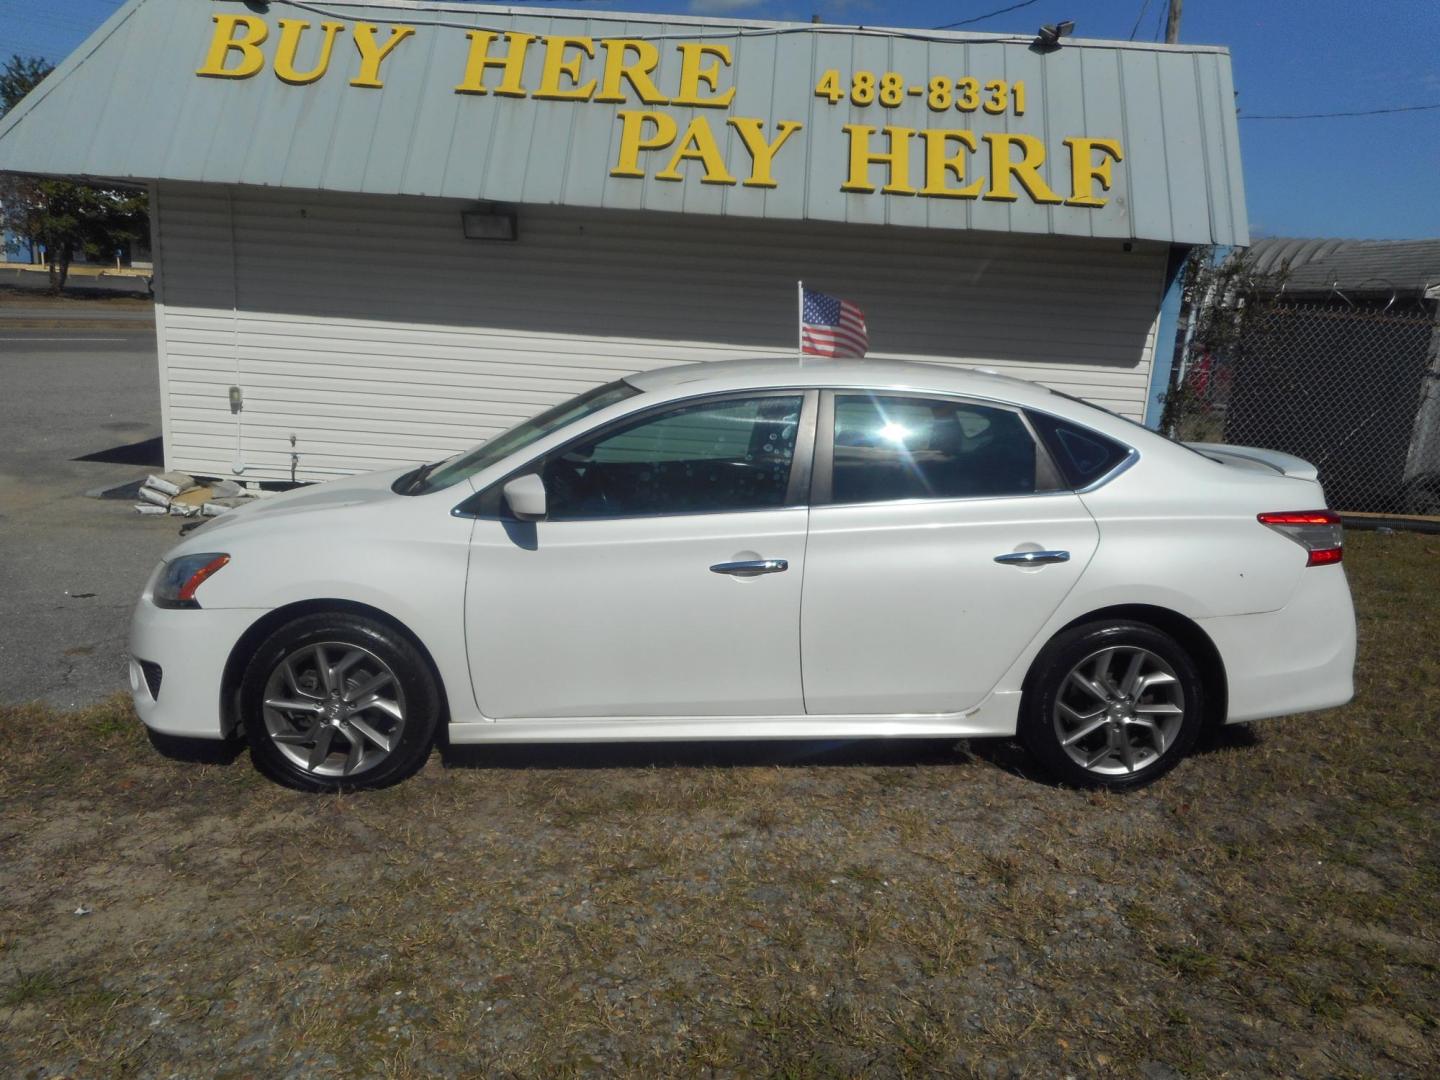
{"x":1370,"y":267}
{"x":716,"y":116}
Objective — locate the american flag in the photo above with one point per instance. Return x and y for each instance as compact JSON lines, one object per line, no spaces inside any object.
{"x":831,"y":327}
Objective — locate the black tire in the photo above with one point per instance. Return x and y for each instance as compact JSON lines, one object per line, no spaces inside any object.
{"x":1138,"y":740}
{"x":411,"y":686}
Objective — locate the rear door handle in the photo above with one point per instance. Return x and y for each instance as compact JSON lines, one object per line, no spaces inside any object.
{"x":1033,"y":558}
{"x":751,"y":567}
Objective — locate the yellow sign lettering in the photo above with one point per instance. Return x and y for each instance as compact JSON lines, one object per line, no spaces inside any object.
{"x":289,"y":46}
{"x":632,"y":140}
{"x":372,"y":53}
{"x":1027,"y":170}
{"x":937,"y":165}
{"x":762,"y":153}
{"x":698,"y":144}
{"x":693,"y":72}
{"x":224,"y":42}
{"x":622,"y":71}
{"x":896,"y":160}
{"x":636,"y":72}
{"x":512,"y":64}
{"x":1085,"y":170}
{"x":557,"y":64}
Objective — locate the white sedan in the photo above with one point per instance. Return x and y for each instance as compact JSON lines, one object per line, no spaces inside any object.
{"x":762,"y":550}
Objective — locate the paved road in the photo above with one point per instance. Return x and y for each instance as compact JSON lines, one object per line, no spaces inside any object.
{"x":71,"y":566}
{"x":79,"y":313}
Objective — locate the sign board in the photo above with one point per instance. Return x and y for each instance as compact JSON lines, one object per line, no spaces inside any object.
{"x":643,"y":112}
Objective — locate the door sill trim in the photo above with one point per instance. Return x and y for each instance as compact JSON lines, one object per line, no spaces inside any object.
{"x":970,"y":722}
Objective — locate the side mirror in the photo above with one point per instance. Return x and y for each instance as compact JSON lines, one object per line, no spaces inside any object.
{"x":525,"y":495}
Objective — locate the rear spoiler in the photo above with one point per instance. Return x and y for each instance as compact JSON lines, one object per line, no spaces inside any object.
{"x":1251,"y":457}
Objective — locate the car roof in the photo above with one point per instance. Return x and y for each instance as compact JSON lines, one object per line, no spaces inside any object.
{"x":718,"y":376}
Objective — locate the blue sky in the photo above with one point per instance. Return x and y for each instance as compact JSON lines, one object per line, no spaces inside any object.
{"x":1370,"y":176}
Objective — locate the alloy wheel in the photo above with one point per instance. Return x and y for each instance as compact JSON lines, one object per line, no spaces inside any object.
{"x":334,"y":709}
{"x":1119,"y":710}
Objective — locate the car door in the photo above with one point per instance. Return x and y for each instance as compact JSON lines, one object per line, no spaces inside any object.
{"x":665,"y":578}
{"x":941,"y":540}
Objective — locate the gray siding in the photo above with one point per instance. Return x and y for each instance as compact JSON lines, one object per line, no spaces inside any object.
{"x":370,"y":330}
{"x":1171,"y":107}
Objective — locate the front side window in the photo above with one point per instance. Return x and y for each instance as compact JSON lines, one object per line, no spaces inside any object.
{"x":705,"y":458}
{"x":923,"y":448}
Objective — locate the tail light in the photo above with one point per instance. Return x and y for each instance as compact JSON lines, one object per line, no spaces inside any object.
{"x":1319,"y":532}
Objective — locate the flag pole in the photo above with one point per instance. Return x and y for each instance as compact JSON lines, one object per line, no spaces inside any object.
{"x":800,"y":319}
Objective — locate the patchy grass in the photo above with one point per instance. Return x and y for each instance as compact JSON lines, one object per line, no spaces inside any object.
{"x":78,"y":292}
{"x":877,"y":909}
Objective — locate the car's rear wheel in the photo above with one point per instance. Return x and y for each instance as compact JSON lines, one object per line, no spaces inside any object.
{"x":338,"y":701}
{"x":1112,"y":705}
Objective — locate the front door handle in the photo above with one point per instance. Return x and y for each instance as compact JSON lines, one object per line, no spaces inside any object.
{"x":1033,"y":558}
{"x":751,"y":567}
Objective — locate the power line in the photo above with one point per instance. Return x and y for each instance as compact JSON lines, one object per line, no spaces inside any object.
{"x":982,"y":18}
{"x":1144,"y":7}
{"x":1328,"y":115}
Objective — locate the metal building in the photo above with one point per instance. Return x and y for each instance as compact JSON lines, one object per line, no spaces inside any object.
{"x":1341,"y":366}
{"x":335,"y":186}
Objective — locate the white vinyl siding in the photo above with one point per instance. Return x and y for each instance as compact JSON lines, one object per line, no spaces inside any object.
{"x":368,"y":329}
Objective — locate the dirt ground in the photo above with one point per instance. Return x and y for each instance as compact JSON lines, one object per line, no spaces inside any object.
{"x":873,"y":909}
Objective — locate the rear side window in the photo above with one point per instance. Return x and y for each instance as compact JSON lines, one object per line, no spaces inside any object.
{"x":923,"y":448}
{"x":1082,"y":455}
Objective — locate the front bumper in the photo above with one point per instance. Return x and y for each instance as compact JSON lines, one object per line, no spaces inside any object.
{"x":184,"y":653}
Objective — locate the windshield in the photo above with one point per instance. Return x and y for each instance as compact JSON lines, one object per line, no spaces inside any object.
{"x":443,"y":474}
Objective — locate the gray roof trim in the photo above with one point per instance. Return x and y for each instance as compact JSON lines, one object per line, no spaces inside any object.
{"x":1369,"y":267}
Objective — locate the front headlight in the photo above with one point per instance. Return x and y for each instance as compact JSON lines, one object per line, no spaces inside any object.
{"x":175,"y":588}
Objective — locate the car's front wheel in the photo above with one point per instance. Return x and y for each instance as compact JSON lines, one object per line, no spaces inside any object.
{"x":1112,"y":705}
{"x":338,"y":701}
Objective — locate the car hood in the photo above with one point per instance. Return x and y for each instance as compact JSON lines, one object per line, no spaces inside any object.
{"x":328,"y":497}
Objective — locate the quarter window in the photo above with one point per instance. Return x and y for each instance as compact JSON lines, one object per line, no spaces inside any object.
{"x":1081,"y":454}
{"x":922,"y":448}
{"x":706,"y":458}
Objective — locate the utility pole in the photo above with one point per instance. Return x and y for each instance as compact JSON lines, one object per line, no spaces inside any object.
{"x":1172,"y":23}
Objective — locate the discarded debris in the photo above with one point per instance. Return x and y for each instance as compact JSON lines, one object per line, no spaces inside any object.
{"x":215,"y":507}
{"x":188,"y":503}
{"x":181,"y":495}
{"x":170,"y":483}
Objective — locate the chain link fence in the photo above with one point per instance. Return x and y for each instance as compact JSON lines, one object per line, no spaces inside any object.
{"x":1352,"y":386}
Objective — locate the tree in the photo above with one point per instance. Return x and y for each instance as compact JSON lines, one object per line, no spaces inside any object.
{"x":1223,"y":306}
{"x":61,"y":216}
{"x":19,"y":76}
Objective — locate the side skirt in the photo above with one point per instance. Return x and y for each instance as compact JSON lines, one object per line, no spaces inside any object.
{"x":995,"y":717}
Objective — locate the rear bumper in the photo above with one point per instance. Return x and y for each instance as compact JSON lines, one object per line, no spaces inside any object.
{"x":185,"y":652}
{"x":1297,"y":659}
